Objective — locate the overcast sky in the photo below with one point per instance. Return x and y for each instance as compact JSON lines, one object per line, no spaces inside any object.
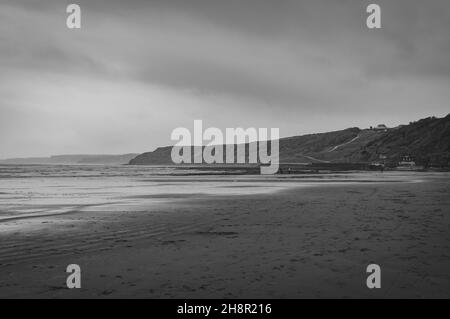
{"x":138,"y":69}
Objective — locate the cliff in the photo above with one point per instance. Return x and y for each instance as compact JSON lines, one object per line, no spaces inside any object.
{"x":426,"y":140}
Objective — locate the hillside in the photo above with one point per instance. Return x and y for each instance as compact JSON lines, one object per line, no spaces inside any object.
{"x":427,"y":141}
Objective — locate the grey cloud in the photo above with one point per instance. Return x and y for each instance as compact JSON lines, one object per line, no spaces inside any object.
{"x":407,"y":46}
{"x":287,"y":59}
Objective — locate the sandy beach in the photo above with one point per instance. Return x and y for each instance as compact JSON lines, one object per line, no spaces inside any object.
{"x":310,"y":240}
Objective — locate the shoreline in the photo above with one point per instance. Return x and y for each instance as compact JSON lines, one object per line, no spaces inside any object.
{"x":39,"y":198}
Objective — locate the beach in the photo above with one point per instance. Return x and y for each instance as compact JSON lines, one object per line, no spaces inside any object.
{"x":226,"y":236}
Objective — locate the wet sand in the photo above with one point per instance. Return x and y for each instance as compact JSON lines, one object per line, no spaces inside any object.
{"x":298,"y":242}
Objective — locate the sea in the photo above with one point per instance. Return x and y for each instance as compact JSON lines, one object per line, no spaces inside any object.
{"x":28,"y":191}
